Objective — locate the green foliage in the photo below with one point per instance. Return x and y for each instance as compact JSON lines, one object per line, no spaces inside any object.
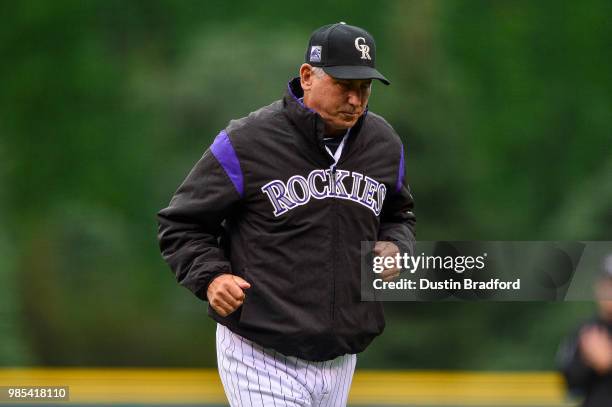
{"x":504,"y":108}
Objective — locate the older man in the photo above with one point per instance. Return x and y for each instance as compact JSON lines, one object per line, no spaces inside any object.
{"x":268,"y":225}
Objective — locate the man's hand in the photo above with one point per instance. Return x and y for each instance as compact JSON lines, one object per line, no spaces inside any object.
{"x":387,"y":249}
{"x":596,"y":348}
{"x":226,"y":293}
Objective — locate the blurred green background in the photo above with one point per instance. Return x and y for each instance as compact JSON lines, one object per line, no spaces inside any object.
{"x":505,"y":109}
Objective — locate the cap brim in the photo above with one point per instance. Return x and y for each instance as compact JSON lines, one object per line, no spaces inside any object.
{"x":355,"y":72}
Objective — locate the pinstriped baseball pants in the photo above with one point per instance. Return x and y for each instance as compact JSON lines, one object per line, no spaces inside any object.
{"x":254,"y":376}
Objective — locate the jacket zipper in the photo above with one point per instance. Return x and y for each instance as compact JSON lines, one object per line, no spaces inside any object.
{"x":334,"y":245}
{"x":335,"y":158}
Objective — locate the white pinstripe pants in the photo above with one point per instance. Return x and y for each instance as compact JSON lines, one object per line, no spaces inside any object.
{"x":254,"y":376}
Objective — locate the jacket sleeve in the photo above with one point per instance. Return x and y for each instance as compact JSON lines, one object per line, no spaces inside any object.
{"x":397,"y":217}
{"x":190,"y":227}
{"x":576,"y":373}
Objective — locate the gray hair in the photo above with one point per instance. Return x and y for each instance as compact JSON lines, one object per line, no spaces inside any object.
{"x":318,"y":71}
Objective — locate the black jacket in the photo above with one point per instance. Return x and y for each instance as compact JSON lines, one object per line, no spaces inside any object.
{"x":265,"y":189}
{"x":581,"y":379}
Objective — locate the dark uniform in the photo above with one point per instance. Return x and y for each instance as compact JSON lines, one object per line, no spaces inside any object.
{"x":581,"y":379}
{"x":294,"y":223}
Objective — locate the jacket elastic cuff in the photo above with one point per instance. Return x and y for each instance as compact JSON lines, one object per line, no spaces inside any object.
{"x":405,"y":247}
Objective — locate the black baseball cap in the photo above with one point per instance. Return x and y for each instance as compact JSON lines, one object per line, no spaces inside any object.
{"x":344,"y":52}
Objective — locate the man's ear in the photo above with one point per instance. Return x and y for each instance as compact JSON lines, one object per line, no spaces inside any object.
{"x":306,"y":76}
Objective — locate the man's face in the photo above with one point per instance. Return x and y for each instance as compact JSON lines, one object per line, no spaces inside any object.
{"x":339,"y":102}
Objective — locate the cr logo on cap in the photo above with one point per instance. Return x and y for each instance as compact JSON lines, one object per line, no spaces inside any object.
{"x":365,"y":50}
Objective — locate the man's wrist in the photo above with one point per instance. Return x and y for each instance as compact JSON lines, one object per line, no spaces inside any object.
{"x":213,"y":278}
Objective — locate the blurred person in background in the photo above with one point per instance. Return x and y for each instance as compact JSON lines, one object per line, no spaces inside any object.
{"x":585,"y":358}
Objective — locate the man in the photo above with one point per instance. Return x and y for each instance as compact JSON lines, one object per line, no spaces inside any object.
{"x":586,"y":357}
{"x":268,"y":226}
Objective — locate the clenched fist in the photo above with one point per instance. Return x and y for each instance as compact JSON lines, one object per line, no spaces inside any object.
{"x":226,"y":293}
{"x":387,"y":249}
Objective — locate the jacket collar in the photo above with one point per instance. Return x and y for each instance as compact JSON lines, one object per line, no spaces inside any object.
{"x":307,"y":120}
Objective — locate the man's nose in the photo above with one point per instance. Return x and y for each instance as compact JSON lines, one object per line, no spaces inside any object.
{"x":354,"y":97}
